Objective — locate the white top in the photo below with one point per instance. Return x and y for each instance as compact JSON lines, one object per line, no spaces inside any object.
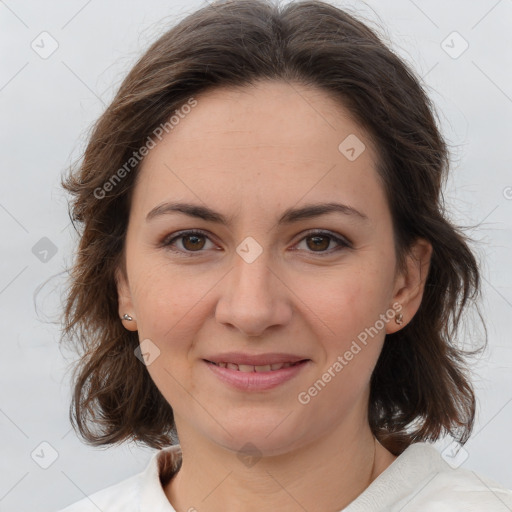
{"x":418,"y":480}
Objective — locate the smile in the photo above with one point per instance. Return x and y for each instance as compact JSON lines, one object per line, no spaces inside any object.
{"x":256,"y":378}
{"x":247,"y":368}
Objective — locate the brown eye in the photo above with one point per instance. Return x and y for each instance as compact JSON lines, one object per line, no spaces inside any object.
{"x":318,"y":242}
{"x":193,"y":242}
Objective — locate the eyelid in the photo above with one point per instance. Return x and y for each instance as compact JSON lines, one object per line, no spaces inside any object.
{"x":168,"y":239}
{"x":342,"y":241}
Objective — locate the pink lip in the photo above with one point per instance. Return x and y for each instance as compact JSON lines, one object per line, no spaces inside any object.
{"x":256,"y":381}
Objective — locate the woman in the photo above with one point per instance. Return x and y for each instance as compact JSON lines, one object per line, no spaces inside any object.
{"x":266,"y":289}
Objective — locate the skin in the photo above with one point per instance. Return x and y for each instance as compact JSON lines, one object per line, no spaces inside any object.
{"x":251,"y":153}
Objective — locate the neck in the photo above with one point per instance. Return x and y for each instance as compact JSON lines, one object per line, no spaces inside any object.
{"x":325,"y":475}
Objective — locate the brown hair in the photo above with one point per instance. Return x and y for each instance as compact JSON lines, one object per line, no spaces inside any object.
{"x":419,"y":388}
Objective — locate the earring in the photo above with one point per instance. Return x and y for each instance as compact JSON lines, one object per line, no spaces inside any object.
{"x":127,"y":317}
{"x":399,"y":319}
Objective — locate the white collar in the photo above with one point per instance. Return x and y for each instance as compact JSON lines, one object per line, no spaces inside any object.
{"x":152,"y":495}
{"x":419,"y":466}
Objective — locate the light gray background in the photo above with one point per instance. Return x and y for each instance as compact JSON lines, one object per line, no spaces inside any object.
{"x":47,"y":107}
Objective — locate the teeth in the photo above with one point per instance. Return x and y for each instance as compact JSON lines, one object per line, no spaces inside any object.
{"x":247,"y":368}
{"x":265,"y":368}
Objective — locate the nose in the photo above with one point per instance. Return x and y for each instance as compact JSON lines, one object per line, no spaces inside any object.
{"x":254,"y":298}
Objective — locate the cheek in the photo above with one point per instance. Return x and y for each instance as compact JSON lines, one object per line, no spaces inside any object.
{"x":350,"y":300}
{"x":352,"y":305}
{"x":173,"y":306}
{"x":167,"y":297}
{"x":171,"y":310}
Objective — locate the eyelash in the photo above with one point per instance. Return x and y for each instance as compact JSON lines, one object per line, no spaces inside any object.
{"x":169,"y":240}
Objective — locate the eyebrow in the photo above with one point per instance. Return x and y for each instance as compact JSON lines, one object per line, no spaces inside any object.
{"x":290,"y":216}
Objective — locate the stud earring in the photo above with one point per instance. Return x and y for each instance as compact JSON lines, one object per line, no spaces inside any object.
{"x":399,"y":319}
{"x":127,"y":317}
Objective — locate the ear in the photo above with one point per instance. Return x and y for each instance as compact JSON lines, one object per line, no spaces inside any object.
{"x":410,"y":283}
{"x":125,"y":304}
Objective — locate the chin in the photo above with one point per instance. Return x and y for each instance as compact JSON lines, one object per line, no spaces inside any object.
{"x":263,"y":438}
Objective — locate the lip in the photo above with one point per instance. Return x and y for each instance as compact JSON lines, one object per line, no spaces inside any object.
{"x":257,"y":381}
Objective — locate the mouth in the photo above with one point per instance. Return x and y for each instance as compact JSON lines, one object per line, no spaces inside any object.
{"x":267,"y":374}
{"x":248,"y":368}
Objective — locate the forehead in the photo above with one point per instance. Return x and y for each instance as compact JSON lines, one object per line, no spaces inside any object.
{"x":270,"y":142}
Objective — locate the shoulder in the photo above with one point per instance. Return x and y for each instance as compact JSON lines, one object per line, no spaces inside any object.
{"x":140,"y":492}
{"x":444,"y":488}
{"x":122,"y":496}
{"x":421,"y":480}
{"x":461,"y":490}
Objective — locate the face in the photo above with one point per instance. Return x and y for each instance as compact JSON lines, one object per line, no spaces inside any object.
{"x":252,"y":304}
